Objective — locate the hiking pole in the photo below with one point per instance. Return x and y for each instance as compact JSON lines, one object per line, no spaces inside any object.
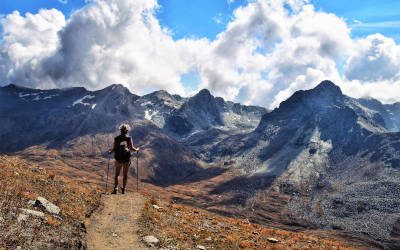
{"x":137,"y":171}
{"x":108,"y":170}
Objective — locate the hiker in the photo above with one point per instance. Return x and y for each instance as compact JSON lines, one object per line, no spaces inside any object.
{"x":122,"y":154}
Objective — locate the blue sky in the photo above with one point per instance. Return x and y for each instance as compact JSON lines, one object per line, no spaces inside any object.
{"x":206,"y":18}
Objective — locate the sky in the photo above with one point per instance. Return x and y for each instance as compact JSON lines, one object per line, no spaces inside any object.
{"x":255,"y":52}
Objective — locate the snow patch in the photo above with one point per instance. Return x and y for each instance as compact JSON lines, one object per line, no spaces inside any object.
{"x":146,"y":103}
{"x":50,"y":96}
{"x":80,"y":101}
{"x":94,"y":105}
{"x":148,"y":114}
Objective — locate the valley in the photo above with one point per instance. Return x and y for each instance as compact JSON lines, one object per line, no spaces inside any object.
{"x":320,"y":161}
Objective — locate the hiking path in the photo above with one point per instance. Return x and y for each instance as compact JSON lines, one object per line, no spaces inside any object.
{"x":115,"y":224}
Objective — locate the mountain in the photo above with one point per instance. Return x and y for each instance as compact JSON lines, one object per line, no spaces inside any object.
{"x":332,"y":155}
{"x":77,"y":120}
{"x":389,"y":112}
{"x":321,"y":159}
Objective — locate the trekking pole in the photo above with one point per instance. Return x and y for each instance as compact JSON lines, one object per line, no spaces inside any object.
{"x":108,"y":170}
{"x":137,"y":171}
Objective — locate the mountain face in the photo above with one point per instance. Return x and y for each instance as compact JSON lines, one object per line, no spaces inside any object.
{"x":75,"y":118}
{"x":336,"y":157}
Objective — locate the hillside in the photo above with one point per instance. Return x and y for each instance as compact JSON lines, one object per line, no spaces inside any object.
{"x":185,"y":227}
{"x":28,"y":225}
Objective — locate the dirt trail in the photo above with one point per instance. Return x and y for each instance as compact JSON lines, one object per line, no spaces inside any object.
{"x":115,"y":225}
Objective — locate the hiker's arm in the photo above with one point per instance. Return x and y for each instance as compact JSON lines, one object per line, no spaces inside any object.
{"x":113,"y":149}
{"x":131,"y":147}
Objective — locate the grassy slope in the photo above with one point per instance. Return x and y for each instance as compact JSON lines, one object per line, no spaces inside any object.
{"x":183,"y":227}
{"x":21,"y":181}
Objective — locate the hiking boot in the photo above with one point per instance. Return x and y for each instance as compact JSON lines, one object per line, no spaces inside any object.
{"x":115,"y":191}
{"x":123,"y":190}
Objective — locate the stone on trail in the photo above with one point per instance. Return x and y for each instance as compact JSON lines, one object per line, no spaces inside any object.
{"x":150,"y":240}
{"x":201,"y":247}
{"x":50,"y":207}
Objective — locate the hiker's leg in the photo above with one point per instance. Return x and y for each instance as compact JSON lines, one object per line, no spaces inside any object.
{"x":118,"y":167}
{"x":125,"y":173}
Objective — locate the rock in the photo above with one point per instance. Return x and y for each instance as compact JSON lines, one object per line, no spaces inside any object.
{"x":33,"y":212}
{"x":208,"y":239}
{"x":31,"y":203}
{"x":201,"y":247}
{"x":50,"y":207}
{"x":115,"y":235}
{"x":22,"y":217}
{"x":272,"y":240}
{"x":27,"y":212}
{"x":19,"y":247}
{"x":156,"y":207}
{"x":150,"y":240}
{"x":1,"y":219}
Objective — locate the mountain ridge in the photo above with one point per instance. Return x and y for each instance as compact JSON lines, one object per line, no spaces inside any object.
{"x":334,"y":156}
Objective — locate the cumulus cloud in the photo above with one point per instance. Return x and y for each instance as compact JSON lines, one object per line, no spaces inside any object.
{"x":26,"y":42}
{"x":268,"y":50}
{"x":376,"y":59}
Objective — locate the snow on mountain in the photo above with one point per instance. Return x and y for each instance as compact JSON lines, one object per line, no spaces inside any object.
{"x":337,"y":157}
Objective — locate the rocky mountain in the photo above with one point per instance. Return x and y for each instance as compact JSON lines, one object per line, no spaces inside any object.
{"x":332,"y":154}
{"x":335,"y":159}
{"x":82,"y":121}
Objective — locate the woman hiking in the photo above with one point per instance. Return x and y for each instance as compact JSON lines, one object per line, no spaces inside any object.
{"x":122,"y":153}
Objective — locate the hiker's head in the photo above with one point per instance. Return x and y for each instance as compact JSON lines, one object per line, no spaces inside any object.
{"x":124,"y":128}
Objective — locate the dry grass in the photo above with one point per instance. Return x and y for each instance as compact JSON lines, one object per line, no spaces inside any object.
{"x":183,"y":227}
{"x":21,"y":181}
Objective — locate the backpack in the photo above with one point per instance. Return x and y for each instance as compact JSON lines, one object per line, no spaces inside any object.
{"x":122,"y":153}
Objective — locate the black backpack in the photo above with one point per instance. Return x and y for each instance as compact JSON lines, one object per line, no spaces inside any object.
{"x":122,"y":153}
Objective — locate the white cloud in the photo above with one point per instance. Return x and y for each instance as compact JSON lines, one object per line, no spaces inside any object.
{"x":268,"y":50}
{"x":26,"y":42}
{"x":377,"y":58}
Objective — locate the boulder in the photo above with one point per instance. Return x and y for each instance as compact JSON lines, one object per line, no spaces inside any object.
{"x":50,"y":207}
{"x":150,"y":240}
{"x":157,"y":207}
{"x":272,"y":240}
{"x":33,"y":212}
{"x":25,"y":213}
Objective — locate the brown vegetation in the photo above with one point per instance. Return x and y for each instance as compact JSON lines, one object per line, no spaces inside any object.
{"x":184,"y":227}
{"x":21,"y":182}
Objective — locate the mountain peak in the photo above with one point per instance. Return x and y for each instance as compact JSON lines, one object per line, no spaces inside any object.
{"x":328,"y":86}
{"x":204,"y":92}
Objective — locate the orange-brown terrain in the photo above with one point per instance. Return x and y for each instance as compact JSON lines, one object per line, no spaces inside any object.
{"x":21,"y":183}
{"x":193,"y":211}
{"x":185,"y":227}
